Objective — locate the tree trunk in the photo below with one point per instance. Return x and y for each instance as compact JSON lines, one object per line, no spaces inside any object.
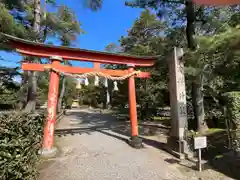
{"x":37,"y":17}
{"x":60,"y":100}
{"x":197,"y":94}
{"x":32,"y":92}
{"x":198,"y":105}
{"x":190,"y":29}
{"x":22,"y":92}
{"x":32,"y":89}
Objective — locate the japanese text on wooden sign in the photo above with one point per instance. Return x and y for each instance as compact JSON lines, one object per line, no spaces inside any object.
{"x":200,"y":142}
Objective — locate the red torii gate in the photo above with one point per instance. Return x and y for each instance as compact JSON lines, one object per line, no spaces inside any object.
{"x":217,"y":2}
{"x":57,"y":54}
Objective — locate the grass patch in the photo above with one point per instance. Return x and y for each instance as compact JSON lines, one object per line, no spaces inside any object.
{"x":211,"y":131}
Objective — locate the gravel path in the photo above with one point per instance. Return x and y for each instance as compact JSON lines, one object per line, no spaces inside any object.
{"x":92,"y":154}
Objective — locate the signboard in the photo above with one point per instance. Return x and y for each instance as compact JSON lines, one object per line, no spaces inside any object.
{"x":200,"y":142}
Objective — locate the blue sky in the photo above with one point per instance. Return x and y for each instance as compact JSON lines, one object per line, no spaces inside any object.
{"x":102,"y":28}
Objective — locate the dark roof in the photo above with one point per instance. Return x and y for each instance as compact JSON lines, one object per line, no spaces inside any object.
{"x":16,"y":42}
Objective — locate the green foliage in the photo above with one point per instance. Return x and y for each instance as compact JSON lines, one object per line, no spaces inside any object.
{"x":51,"y":1}
{"x":233,"y":115}
{"x":145,"y":38}
{"x":217,"y":38}
{"x":70,"y":92}
{"x":217,"y":59}
{"x":17,"y":18}
{"x":91,"y":94}
{"x":233,"y":107}
{"x":94,"y":5}
{"x":6,"y":20}
{"x":113,"y":48}
{"x":62,"y":24}
{"x":9,"y":25}
{"x":42,"y":91}
{"x":13,"y":19}
{"x":8,"y":88}
{"x":20,"y":140}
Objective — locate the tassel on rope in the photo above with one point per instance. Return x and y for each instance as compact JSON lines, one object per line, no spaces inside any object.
{"x":115,"y":87}
{"x":96,"y":82}
{"x":86,"y":82}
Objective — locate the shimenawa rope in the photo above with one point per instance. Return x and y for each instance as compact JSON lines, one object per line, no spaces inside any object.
{"x":100,"y":74}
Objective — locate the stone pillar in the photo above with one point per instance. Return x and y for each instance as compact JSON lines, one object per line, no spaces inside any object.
{"x":176,"y":141}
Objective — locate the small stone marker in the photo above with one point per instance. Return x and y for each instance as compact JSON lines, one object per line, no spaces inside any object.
{"x":200,"y":143}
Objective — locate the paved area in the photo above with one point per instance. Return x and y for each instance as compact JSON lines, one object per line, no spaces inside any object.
{"x":89,"y":150}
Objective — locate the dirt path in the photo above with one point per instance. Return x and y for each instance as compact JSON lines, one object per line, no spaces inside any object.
{"x":91,"y":151}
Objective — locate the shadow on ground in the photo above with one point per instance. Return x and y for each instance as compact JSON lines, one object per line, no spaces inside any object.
{"x":88,"y":122}
{"x":215,"y":154}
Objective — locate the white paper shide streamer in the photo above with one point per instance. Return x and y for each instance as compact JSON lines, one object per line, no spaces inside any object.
{"x":106,"y":82}
{"x":96,"y":82}
{"x":86,"y":82}
{"x":115,"y":86}
{"x":79,"y":86}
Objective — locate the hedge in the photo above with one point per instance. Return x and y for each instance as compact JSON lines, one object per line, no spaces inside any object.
{"x":233,"y":114}
{"x":20,"y":140}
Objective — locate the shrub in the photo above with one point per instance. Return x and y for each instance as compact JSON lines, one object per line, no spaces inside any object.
{"x":20,"y":140}
{"x":233,"y":114}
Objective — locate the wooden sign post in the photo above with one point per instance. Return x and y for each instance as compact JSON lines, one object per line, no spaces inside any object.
{"x":200,"y":143}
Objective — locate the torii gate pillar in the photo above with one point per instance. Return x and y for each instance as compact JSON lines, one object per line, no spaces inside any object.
{"x":134,"y":141}
{"x":48,"y":138}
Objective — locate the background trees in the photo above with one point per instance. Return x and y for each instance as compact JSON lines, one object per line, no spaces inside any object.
{"x":8,"y":88}
{"x":209,"y":36}
{"x":206,"y":53}
{"x":31,"y":20}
